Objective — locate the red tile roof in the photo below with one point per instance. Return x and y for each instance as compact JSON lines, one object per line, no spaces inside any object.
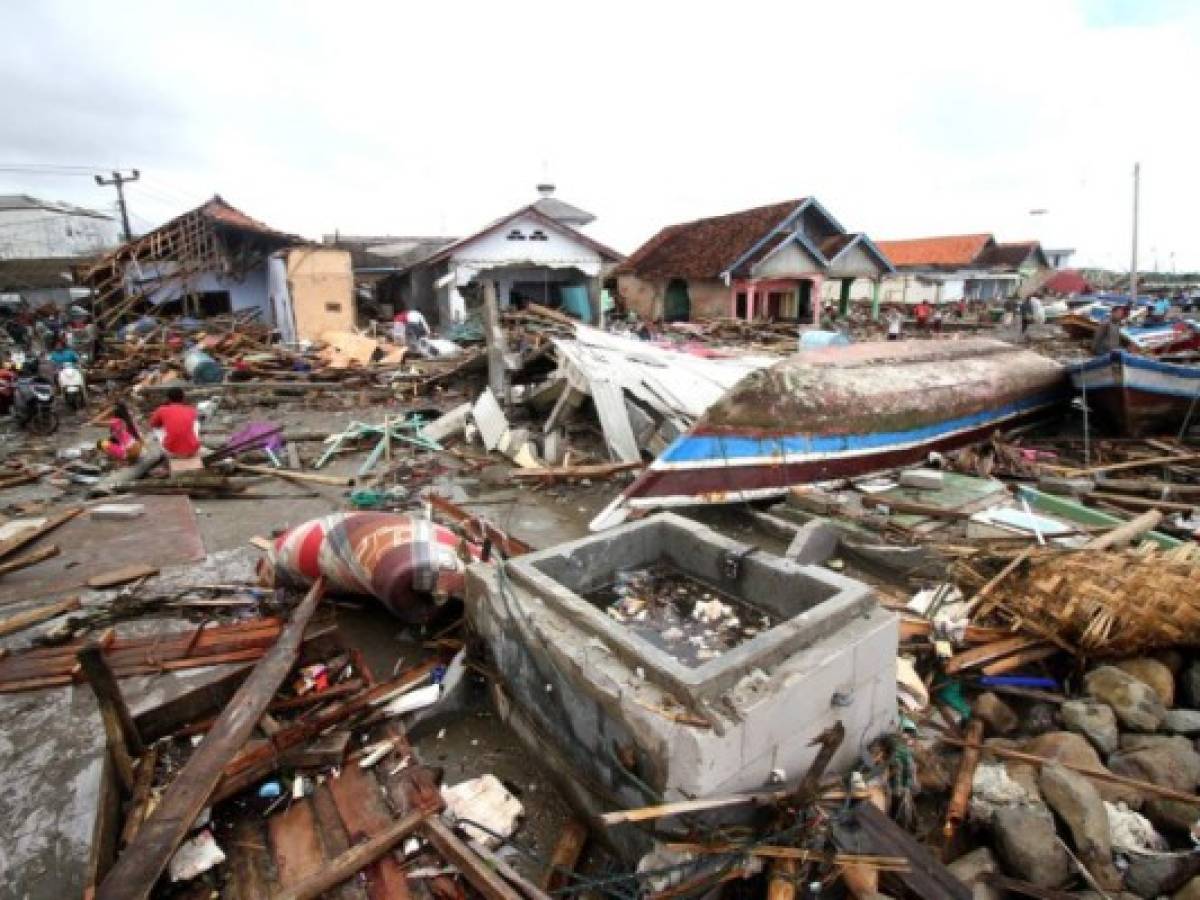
{"x":223,"y":213}
{"x":1066,"y":282}
{"x":705,"y":248}
{"x":951,"y":250}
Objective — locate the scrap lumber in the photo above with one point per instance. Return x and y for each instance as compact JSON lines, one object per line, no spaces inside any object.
{"x":124,"y":741}
{"x":567,"y":850}
{"x":509,"y":546}
{"x":361,"y":806}
{"x":797,"y":854}
{"x":1105,"y":776}
{"x":32,"y":558}
{"x":295,"y":843}
{"x":988,"y":653}
{"x":1127,"y":532}
{"x":528,"y":888}
{"x":298,"y":477}
{"x":36,"y":532}
{"x":356,"y":858}
{"x":123,"y":575}
{"x":574,"y":473}
{"x":875,"y":833}
{"x":1139,"y":464}
{"x":475,"y":870}
{"x":255,"y":763}
{"x":913,"y":508}
{"x":21,"y":621}
{"x":140,"y":799}
{"x":139,"y":867}
{"x":956,"y":809}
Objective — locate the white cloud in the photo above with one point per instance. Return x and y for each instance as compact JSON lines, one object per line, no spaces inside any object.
{"x":905,"y":119}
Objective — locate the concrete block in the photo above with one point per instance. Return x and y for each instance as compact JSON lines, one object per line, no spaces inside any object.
{"x":922,"y":479}
{"x":448,"y":424}
{"x":813,"y":543}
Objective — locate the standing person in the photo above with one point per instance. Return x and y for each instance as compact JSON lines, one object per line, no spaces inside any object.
{"x":1108,"y":336}
{"x":176,"y":420}
{"x":922,"y":313}
{"x":895,"y":320}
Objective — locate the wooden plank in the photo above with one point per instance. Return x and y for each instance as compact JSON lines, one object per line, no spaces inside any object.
{"x":567,"y":850}
{"x":363,"y":856}
{"x":978,"y":656}
{"x":138,"y":803}
{"x":1103,"y":775}
{"x":248,"y":862}
{"x":32,"y":558}
{"x":295,"y":844}
{"x":1018,"y":660}
{"x":140,"y":866}
{"x":462,"y":857}
{"x":123,"y":575}
{"x":37,"y":615}
{"x":29,"y":535}
{"x":334,"y":839}
{"x":361,"y":807}
{"x":124,"y":742}
{"x":877,"y":834}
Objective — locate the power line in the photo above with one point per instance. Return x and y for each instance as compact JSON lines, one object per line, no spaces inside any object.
{"x":119,"y":181}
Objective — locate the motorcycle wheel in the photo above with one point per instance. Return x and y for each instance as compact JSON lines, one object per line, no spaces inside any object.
{"x":43,"y":422}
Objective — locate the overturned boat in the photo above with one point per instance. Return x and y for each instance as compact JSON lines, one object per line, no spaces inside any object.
{"x":841,"y":412}
{"x":1139,"y":395}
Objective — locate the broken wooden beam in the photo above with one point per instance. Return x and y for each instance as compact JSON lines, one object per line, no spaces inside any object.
{"x":37,"y":615}
{"x":347,"y":864}
{"x":567,"y":850}
{"x":36,"y":532}
{"x":32,"y":558}
{"x":137,"y":869}
{"x":124,"y":741}
{"x":1126,"y":532}
{"x":297,"y":477}
{"x":475,"y":870}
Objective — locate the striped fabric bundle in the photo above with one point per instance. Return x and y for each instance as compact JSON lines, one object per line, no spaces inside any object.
{"x":401,"y":560}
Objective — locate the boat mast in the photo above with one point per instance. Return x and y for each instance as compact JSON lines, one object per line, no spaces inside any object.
{"x":1133,"y":269}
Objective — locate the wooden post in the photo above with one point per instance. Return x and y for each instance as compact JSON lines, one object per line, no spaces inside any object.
{"x":124,"y":742}
{"x":494,"y":335}
{"x":595,"y":303}
{"x":571,"y":841}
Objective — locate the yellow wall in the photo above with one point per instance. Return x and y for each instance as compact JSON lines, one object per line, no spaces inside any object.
{"x":321,"y":283}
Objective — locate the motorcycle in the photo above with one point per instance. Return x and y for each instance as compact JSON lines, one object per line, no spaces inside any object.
{"x":35,"y":406}
{"x":73,"y":387}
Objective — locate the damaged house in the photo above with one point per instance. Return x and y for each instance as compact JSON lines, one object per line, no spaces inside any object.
{"x":214,"y":260}
{"x":963,"y":267}
{"x":769,"y":262}
{"x":536,"y":254}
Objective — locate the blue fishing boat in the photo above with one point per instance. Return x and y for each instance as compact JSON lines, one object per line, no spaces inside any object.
{"x":1139,"y":395}
{"x":840,"y":412}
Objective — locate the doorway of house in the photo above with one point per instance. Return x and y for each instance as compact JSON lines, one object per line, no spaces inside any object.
{"x":677,"y":305}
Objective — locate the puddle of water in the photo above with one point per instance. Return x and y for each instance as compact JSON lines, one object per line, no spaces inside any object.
{"x":681,"y":615}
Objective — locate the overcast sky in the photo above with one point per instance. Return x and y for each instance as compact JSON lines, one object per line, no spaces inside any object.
{"x":904,"y":119}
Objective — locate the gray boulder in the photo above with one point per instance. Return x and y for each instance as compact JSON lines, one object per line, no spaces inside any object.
{"x":972,"y":868}
{"x":1095,"y":721}
{"x":1028,"y":845}
{"x":1079,"y":805}
{"x":1136,"y":704}
{"x":1156,"y":874}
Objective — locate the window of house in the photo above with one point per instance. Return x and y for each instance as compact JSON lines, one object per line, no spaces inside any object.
{"x":516,"y":235}
{"x":538,"y":235}
{"x":333,"y":307}
{"x":739,"y":305}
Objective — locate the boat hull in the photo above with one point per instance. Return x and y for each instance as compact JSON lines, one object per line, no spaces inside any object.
{"x":1136,"y":395}
{"x":845,"y":412}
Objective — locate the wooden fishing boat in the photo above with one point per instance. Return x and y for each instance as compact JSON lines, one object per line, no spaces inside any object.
{"x":841,"y":412}
{"x":1166,"y":337}
{"x":1139,"y":395}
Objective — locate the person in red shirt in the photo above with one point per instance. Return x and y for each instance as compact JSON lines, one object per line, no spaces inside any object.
{"x":177,"y":422}
{"x":922,"y":313}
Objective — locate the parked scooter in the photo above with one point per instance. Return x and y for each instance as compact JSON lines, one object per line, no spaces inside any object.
{"x":73,"y":387}
{"x":33,"y":402}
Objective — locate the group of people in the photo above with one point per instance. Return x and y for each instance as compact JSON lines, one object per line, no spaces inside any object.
{"x":176,"y":425}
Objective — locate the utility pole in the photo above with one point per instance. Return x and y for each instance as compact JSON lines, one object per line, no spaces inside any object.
{"x":120,"y":181}
{"x":1133,"y":272}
